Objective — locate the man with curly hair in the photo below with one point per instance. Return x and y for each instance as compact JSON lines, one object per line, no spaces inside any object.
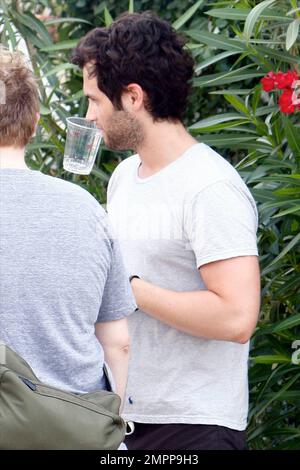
{"x":187,"y":227}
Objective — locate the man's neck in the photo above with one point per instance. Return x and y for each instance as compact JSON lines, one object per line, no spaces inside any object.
{"x":164,"y":142}
{"x":12,"y":157}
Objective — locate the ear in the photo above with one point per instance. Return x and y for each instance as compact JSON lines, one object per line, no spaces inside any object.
{"x":133,"y":97}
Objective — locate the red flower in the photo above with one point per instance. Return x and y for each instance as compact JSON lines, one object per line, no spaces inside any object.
{"x":268,"y":83}
{"x":279,"y":80}
{"x":289,"y":82}
{"x":285,"y":80}
{"x":285,"y":101}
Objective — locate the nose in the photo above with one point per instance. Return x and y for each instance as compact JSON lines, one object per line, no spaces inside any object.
{"x":90,"y":114}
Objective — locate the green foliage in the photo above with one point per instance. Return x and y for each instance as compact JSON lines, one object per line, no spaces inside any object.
{"x":234,"y":45}
{"x":267,"y":145}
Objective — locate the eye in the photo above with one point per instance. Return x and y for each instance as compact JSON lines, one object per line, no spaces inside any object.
{"x":91,"y":99}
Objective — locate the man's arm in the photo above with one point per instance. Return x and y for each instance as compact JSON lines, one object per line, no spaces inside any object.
{"x":227,"y":310}
{"x":114,"y":338}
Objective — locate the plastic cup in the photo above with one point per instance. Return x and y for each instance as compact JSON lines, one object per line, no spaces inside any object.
{"x":82,"y":144}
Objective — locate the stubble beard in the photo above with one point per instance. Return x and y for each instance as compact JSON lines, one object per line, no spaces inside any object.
{"x":123,"y":132}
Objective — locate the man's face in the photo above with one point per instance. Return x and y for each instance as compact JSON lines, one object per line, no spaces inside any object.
{"x":121,"y":131}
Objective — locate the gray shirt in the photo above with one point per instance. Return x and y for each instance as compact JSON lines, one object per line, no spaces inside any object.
{"x":194,"y":211}
{"x":60,"y":273}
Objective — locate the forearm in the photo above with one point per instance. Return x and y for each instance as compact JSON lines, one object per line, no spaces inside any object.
{"x":114,"y":339}
{"x":117,"y":359}
{"x":199,"y":313}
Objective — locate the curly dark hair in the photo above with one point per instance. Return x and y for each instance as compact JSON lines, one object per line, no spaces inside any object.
{"x":144,"y":49}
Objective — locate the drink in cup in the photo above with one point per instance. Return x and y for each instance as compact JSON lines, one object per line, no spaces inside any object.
{"x":82,"y":144}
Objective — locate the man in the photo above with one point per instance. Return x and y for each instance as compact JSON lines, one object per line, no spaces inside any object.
{"x":64,"y":294}
{"x":187,"y":227}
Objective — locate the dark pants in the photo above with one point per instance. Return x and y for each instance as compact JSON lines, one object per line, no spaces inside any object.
{"x":185,"y":437}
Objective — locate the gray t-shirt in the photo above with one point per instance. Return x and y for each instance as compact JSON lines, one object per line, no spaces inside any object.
{"x":194,"y":211}
{"x":60,"y":273}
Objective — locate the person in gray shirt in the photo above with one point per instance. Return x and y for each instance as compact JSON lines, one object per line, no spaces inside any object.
{"x":186,"y":223}
{"x":64,"y":293}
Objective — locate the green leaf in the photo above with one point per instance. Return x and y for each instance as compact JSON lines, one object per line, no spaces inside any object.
{"x":241,"y":14}
{"x":107,"y":17}
{"x":226,"y":140}
{"x":60,"y":46}
{"x":293,"y":283}
{"x":253,"y":17}
{"x":273,"y":205}
{"x":266,"y":110}
{"x":260,"y":430}
{"x":294,"y":179}
{"x":66,"y":19}
{"x":270,"y":359}
{"x":266,"y":42}
{"x":34,"y":25}
{"x":187,"y":15}
{"x":294,"y":10}
{"x":283,"y":56}
{"x":214,"y":59}
{"x":190,"y":46}
{"x":293,"y":136}
{"x":292,"y":33}
{"x":287,"y":191}
{"x":282,"y":325}
{"x":100,"y":174}
{"x":40,"y":145}
{"x":228,"y":13}
{"x":30,"y":35}
{"x":233,"y":140}
{"x":229,"y":91}
{"x":237,"y":103}
{"x":276,"y":396}
{"x":217,"y":40}
{"x":256,"y":98}
{"x":4,"y":6}
{"x":131,"y":6}
{"x":11,"y":33}
{"x":225,"y":78}
{"x":60,"y":68}
{"x":292,"y":210}
{"x":289,"y":246}
{"x":219,"y":118}
{"x":76,"y":96}
{"x":234,"y":126}
{"x":44,"y":110}
{"x":262,"y":146}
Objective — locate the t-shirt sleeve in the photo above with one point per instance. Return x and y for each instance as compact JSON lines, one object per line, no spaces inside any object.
{"x":117,"y":299}
{"x":221,"y":222}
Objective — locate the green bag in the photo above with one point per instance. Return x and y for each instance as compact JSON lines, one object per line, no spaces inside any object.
{"x":36,"y":416}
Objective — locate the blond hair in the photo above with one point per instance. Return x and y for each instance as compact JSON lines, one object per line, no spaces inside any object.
{"x":19,"y":100}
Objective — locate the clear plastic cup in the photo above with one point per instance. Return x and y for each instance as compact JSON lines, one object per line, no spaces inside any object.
{"x":82,"y":144}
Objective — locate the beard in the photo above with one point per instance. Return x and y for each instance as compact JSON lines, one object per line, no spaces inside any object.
{"x":123,"y":132}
